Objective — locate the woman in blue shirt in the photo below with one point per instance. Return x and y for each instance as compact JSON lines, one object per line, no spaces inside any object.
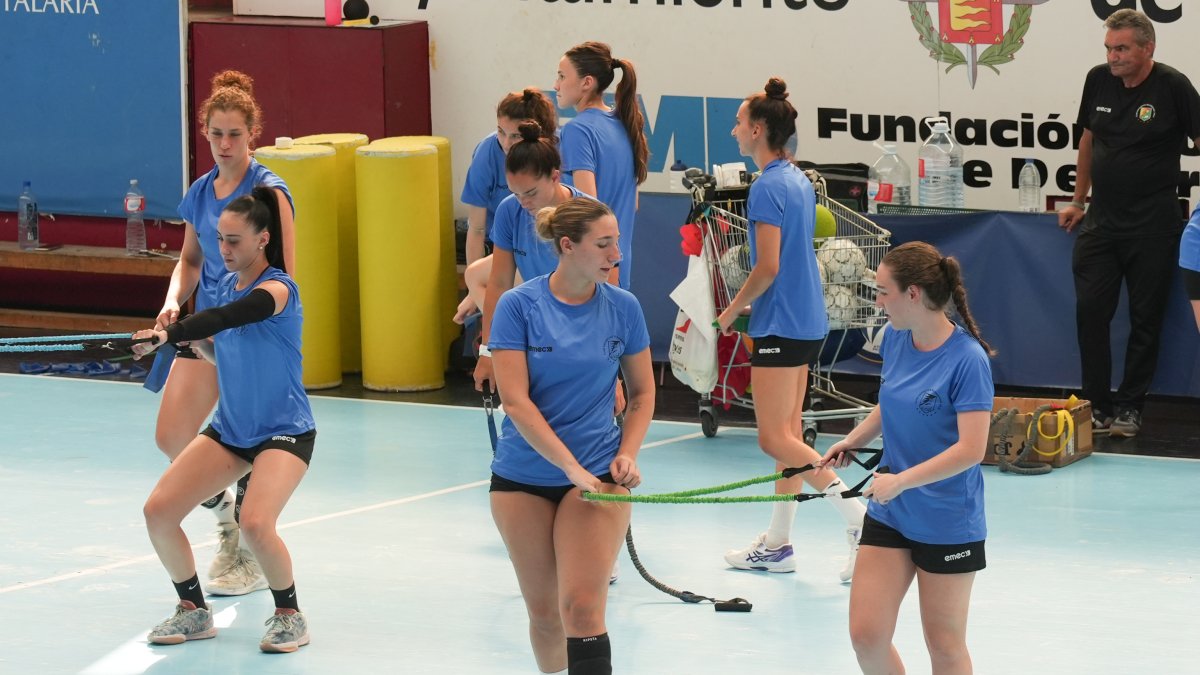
{"x":486,"y":188}
{"x":558,"y":342}
{"x":263,"y":422}
{"x":925,"y":518}
{"x":604,"y":150}
{"x":788,"y":322}
{"x":230,"y":120}
{"x":532,"y":170}
{"x":1189,"y":262}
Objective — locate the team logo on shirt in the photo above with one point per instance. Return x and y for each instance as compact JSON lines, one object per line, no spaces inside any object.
{"x":1145,"y":112}
{"x":614,"y":348}
{"x":929,"y":402}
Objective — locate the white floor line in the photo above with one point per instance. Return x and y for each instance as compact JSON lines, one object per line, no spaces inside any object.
{"x":91,"y":571}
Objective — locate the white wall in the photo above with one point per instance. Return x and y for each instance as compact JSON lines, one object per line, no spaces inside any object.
{"x":858,"y":56}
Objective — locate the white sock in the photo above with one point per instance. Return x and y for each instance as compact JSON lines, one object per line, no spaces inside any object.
{"x":224,"y":510}
{"x":780,"y":530}
{"x":851,"y":508}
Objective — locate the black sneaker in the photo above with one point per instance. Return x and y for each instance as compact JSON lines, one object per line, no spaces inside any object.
{"x":1127,"y":424}
{"x":1101,"y":421}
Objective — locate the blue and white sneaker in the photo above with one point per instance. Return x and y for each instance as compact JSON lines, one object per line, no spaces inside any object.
{"x":760,"y":558}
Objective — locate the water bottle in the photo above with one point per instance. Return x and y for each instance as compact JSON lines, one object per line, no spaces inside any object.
{"x":1029,"y":186}
{"x":889,"y":181}
{"x":676,"y":176}
{"x":135,"y":227}
{"x":940,"y":167}
{"x":27,"y":218}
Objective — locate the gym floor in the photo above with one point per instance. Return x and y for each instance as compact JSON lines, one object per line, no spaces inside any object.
{"x":400,"y":569}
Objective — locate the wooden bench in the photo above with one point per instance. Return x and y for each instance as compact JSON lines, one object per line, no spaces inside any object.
{"x":85,"y":259}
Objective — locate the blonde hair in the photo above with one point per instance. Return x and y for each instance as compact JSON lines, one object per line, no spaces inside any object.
{"x":571,"y":219}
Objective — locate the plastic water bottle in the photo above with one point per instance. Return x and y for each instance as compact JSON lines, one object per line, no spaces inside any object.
{"x":27,"y":218}
{"x":889,"y":181}
{"x":676,"y":176}
{"x":135,"y":227}
{"x":940,"y":167}
{"x":1029,"y":186}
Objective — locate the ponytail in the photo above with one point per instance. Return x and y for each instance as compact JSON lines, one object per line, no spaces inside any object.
{"x":596,"y":59}
{"x":260,"y":208}
{"x":919,"y":264}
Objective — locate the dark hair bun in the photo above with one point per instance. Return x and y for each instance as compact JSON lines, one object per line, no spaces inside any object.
{"x":530,"y":130}
{"x":776,"y":89}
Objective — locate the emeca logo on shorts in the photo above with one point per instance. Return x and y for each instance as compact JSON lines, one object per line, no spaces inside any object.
{"x":769,"y":350}
{"x":286,"y":439}
{"x":958,"y":556}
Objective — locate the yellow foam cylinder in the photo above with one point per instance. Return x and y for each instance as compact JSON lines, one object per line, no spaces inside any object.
{"x":448,"y":272}
{"x":344,"y":146}
{"x":398,"y":266}
{"x":310,"y":172}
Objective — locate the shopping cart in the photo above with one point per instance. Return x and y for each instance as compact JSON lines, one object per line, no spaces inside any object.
{"x":848,"y":261}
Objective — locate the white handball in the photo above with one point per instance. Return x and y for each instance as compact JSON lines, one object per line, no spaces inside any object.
{"x":840,"y":306}
{"x":844,"y":262}
{"x":735,"y":268}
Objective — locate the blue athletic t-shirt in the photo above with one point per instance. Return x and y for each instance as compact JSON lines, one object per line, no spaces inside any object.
{"x":793,"y":306}
{"x":486,"y":185}
{"x":202,"y":209}
{"x":258,"y":370}
{"x":573,"y":354}
{"x":920,"y":396}
{"x":1189,"y":245}
{"x":514,"y":231}
{"x":596,"y":141}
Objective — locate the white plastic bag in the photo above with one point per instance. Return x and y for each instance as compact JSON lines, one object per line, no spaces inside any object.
{"x":694,"y":341}
{"x":693,"y":357}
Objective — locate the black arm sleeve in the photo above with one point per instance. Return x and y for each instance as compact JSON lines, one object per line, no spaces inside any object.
{"x":258,"y":305}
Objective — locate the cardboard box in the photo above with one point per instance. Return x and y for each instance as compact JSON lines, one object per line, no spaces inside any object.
{"x":1078,"y":446}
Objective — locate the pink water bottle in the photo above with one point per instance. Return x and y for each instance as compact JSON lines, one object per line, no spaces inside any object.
{"x":333,"y":12}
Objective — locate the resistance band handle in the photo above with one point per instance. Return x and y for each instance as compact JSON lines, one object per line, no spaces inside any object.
{"x":733,"y":605}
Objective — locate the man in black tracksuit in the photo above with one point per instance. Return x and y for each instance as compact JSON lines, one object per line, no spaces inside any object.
{"x":1137,"y":116}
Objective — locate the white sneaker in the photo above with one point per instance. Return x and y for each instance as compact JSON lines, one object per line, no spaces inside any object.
{"x":760,"y":558}
{"x":616,"y":572}
{"x":242,"y":577}
{"x":853,"y":534}
{"x":227,"y":549}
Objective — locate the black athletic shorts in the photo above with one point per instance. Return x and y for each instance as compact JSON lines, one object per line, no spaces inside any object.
{"x":554,"y":493}
{"x":934,"y":558}
{"x":300,"y":445}
{"x":1191,"y":283}
{"x":779,"y":352}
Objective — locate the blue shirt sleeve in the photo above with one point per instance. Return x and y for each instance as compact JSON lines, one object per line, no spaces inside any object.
{"x":478,"y":187}
{"x":765,"y":203}
{"x":972,"y":389}
{"x":637,"y":337}
{"x":578,"y":151}
{"x":505,"y":224}
{"x":508,"y":325}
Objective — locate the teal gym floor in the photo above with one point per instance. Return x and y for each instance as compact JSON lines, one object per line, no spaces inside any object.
{"x":1092,"y":568}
